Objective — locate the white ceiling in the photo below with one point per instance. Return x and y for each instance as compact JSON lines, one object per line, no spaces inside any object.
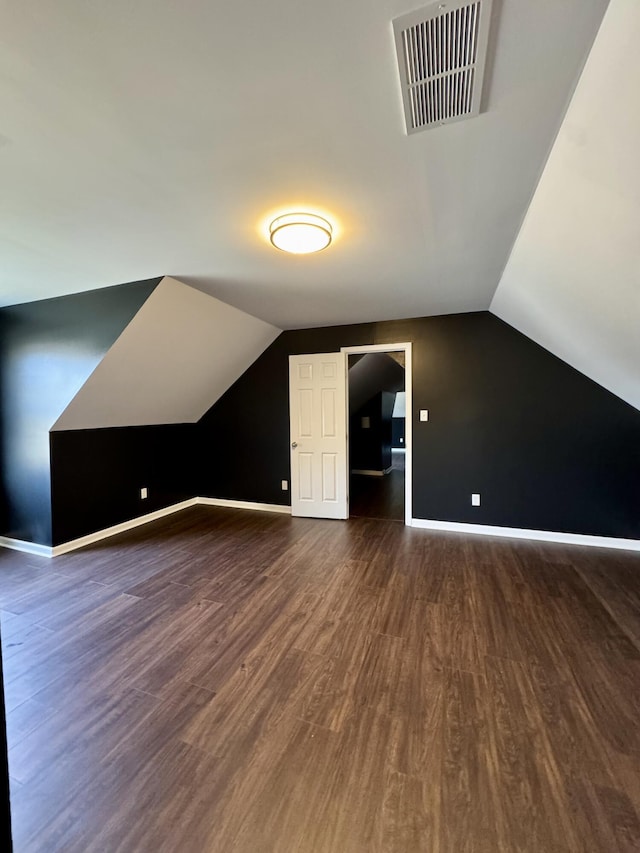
{"x":573,"y":280}
{"x":155,"y":137}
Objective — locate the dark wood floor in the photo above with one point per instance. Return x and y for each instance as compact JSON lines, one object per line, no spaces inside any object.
{"x":379,"y":497}
{"x":251,"y":683}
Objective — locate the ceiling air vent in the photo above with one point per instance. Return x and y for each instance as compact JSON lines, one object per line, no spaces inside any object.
{"x":442,"y":50}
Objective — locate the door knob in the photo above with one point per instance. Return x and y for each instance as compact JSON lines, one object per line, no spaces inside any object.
{"x":294,"y":444}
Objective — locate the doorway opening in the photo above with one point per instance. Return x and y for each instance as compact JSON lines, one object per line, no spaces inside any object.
{"x":379,"y":431}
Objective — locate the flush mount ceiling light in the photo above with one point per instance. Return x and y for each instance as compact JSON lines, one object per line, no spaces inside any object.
{"x":300,"y":233}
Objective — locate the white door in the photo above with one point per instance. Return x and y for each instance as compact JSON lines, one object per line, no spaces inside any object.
{"x":318,"y":411}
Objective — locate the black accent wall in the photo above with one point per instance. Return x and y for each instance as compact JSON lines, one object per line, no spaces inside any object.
{"x":244,"y":438}
{"x":97,"y":475}
{"x":546,"y":447}
{"x":47,"y":351}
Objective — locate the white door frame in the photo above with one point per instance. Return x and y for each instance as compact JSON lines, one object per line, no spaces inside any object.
{"x":408,"y":419}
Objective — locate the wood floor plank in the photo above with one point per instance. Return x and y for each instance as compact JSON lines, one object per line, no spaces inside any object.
{"x":224,"y":681}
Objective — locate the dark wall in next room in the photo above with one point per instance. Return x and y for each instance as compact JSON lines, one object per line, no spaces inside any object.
{"x":97,"y":474}
{"x":47,"y":351}
{"x":546,"y":447}
{"x":397,"y":432}
{"x":370,"y":434}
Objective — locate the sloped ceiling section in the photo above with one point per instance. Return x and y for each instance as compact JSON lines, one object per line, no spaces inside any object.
{"x":573,"y":280}
{"x":178,"y":355}
{"x":373,"y":373}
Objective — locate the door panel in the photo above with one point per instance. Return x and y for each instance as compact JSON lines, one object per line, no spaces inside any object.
{"x":329,"y":477}
{"x":317,"y":397}
{"x":305,"y":476}
{"x":305,"y":419}
{"x":328,"y":404}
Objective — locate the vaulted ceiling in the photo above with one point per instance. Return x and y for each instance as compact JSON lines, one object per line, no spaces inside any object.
{"x":156,"y":138}
{"x":174,"y":360}
{"x":572,"y":282}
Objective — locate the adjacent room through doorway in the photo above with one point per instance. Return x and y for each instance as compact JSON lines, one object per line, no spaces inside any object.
{"x":377,"y":434}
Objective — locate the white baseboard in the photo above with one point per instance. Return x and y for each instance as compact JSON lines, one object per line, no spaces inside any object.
{"x":523,"y":533}
{"x":421,"y":523}
{"x":106,"y":532}
{"x":26,"y":547}
{"x":365,"y":472}
{"x":91,"y":538}
{"x":286,"y":510}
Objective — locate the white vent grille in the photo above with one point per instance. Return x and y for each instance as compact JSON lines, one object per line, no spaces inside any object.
{"x":441,"y":56}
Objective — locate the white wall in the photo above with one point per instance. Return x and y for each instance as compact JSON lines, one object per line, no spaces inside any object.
{"x":179,"y":354}
{"x":573,"y":279}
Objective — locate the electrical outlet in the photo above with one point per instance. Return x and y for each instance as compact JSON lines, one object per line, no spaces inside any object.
{"x":475,"y":500}
{"x":424,"y":414}
{"x":285,"y":485}
{"x":144,"y":493}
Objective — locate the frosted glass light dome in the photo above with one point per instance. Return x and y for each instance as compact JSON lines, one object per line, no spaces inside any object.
{"x":300,"y":233}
